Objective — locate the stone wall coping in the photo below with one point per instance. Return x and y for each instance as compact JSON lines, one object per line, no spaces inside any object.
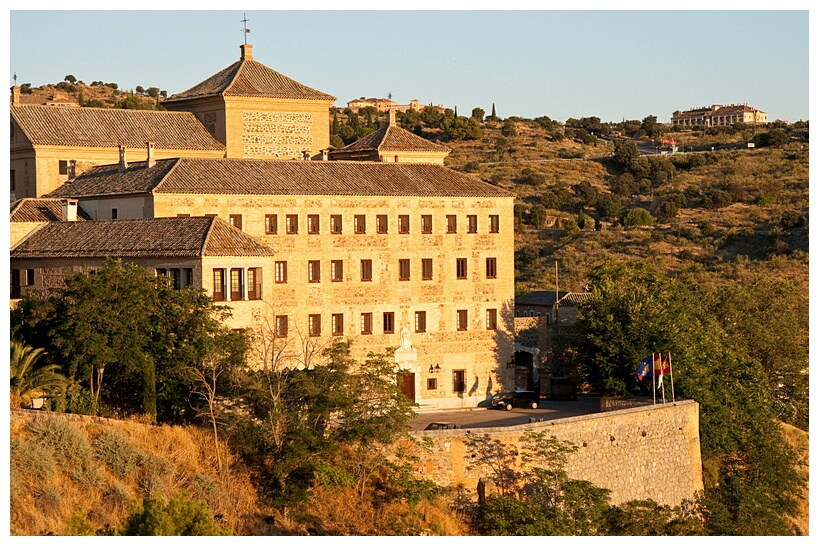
{"x":545,"y":424}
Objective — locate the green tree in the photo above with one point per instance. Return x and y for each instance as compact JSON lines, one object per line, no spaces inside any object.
{"x":651,"y":127}
{"x":301,"y":419}
{"x":70,"y":79}
{"x":179,"y":517}
{"x":334,"y":126}
{"x":125,"y":334}
{"x":625,"y":152}
{"x":493,"y":117}
{"x":538,"y":216}
{"x":139,"y":89}
{"x":637,"y":217}
{"x":478,"y":114}
{"x":28,"y":380}
{"x":751,"y":486}
{"x":431,"y":116}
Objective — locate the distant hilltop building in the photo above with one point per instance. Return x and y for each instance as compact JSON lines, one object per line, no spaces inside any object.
{"x":719,"y":115}
{"x":383,"y":105}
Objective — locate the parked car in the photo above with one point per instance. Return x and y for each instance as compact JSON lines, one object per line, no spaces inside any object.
{"x":516,"y":399}
{"x":441,"y":426}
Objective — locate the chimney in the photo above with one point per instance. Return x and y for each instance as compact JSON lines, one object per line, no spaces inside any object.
{"x":305,"y":155}
{"x":247,"y":52}
{"x":325,"y":155}
{"x":122,"y":164}
{"x":72,"y":169}
{"x":391,"y":118}
{"x":150,"y":161}
{"x":69,"y":210}
{"x":15,"y":95}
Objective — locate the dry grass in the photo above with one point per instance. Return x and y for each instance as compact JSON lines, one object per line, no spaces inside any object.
{"x":47,"y":490}
{"x":799,"y":440}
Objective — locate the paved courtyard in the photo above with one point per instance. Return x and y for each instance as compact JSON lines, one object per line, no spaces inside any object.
{"x":488,"y":417}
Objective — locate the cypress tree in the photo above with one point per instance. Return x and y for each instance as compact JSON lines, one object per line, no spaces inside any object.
{"x":494,"y":117}
{"x":334,"y":130}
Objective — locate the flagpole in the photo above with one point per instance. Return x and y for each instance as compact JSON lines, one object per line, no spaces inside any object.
{"x":671,"y":371}
{"x":653,"y":381}
{"x":662,"y":383}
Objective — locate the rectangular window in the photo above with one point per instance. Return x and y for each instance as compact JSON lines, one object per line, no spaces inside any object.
{"x":314,"y":324}
{"x":420,"y":321}
{"x":236,"y":220}
{"x":403,"y":270}
{"x":494,"y":223}
{"x":491,"y":268}
{"x":366,"y":270}
{"x":16,"y":292}
{"x":312,"y":224}
{"x":462,"y":319}
{"x":336,"y":270}
{"x":337,"y":324}
{"x":381,"y":223}
{"x":403,"y":223}
{"x":271,"y":224}
{"x":29,"y":277}
{"x":366,"y":323}
{"x":63,"y":165}
{"x":472,"y":223}
{"x":313,"y":271}
{"x":281,"y":272}
{"x":426,"y":223}
{"x":360,"y":223}
{"x":335,"y":223}
{"x":218,"y":285}
{"x":13,"y":182}
{"x":389,"y":323}
{"x":254,"y":283}
{"x":426,"y":269}
{"x":432,"y":383}
{"x":291,"y":222}
{"x":460,"y":268}
{"x":236,"y":286}
{"x":458,"y":380}
{"x":115,"y":215}
{"x":281,"y":325}
{"x":451,"y":223}
{"x":491,"y":319}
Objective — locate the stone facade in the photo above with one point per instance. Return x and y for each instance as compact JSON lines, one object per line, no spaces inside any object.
{"x":471,"y":358}
{"x":638,"y":453}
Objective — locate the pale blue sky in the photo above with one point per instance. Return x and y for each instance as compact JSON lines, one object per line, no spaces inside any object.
{"x":610,"y":64}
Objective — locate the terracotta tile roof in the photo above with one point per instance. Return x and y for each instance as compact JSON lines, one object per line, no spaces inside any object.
{"x":141,"y":238}
{"x":106,"y":180}
{"x":249,"y":78}
{"x":393,"y":138}
{"x":547,"y":298}
{"x":50,"y":126}
{"x":30,"y":209}
{"x":264,"y":177}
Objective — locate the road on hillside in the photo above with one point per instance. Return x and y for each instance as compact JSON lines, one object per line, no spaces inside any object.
{"x":487,"y":417}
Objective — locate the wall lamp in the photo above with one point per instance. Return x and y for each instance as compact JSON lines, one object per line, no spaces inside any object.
{"x":436,"y":369}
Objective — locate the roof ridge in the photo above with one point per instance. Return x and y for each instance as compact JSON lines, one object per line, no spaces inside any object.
{"x":176,"y":161}
{"x":208,"y":231}
{"x":235,"y":76}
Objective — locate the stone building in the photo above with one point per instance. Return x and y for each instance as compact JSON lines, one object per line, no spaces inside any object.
{"x":246,"y":110}
{"x":364,"y":251}
{"x":186,"y":250}
{"x":52,"y":145}
{"x":383,"y":105}
{"x":29,"y":214}
{"x":716,"y":115}
{"x":258,"y":113}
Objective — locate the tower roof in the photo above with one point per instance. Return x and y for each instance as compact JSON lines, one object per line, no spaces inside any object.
{"x":249,"y":78}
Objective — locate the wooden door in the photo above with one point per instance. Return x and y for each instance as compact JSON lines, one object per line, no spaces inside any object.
{"x":408,"y":385}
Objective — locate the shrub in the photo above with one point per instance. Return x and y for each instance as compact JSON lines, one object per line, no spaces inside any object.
{"x":706,"y":228}
{"x":716,"y":199}
{"x":66,"y":443}
{"x":117,"y":495}
{"x":609,"y":205}
{"x":154,"y":471}
{"x":791,"y":219}
{"x":116,"y":451}
{"x":31,"y":460}
{"x":472,"y":167}
{"x":666,"y":211}
{"x":637,"y":217}
{"x":48,"y":500}
{"x":180,"y":517}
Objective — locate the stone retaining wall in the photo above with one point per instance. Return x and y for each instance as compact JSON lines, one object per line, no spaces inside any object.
{"x":637,"y":453}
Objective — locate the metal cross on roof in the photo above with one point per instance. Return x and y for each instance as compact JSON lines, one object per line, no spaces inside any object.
{"x":245,"y":30}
